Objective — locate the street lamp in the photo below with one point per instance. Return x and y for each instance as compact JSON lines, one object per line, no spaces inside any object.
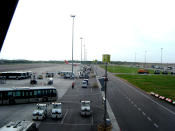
{"x":73,"y":16}
{"x":84,"y":52}
{"x":81,"y":49}
{"x":145,"y":58}
{"x":161,"y":57}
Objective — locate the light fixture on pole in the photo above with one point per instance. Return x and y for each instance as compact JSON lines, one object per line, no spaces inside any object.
{"x":81,"y":49}
{"x":145,"y":58}
{"x":161,"y":57}
{"x":73,"y":16}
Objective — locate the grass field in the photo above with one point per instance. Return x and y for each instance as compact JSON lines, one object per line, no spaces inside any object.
{"x":162,"y":84}
{"x":124,"y":69}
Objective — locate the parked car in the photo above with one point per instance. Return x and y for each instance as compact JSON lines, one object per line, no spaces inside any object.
{"x":157,"y":72}
{"x":33,"y":80}
{"x":143,"y":71}
{"x":50,"y":74}
{"x":173,"y":72}
{"x":165,"y":72}
{"x":40,"y":77}
{"x":50,"y":81}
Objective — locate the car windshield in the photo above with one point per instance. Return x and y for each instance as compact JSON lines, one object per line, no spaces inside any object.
{"x":85,"y":104}
{"x":84,"y":82}
{"x":57,"y":106}
{"x":40,"y":107}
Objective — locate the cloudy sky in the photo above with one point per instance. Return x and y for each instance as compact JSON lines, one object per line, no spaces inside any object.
{"x":42,"y":30}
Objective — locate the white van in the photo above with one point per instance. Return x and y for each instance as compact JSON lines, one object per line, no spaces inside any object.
{"x":84,"y":84}
{"x":56,"y":110}
{"x":40,"y":112}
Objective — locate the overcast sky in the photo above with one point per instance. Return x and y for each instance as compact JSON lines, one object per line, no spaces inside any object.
{"x":42,"y":30}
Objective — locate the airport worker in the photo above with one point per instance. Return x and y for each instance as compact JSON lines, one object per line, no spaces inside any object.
{"x":73,"y":85}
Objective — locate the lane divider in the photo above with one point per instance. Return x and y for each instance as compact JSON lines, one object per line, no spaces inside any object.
{"x":163,"y":98}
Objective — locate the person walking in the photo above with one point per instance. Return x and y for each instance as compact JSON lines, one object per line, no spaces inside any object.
{"x":73,"y":84}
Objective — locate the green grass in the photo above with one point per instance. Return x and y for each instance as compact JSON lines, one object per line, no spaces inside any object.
{"x":162,"y":84}
{"x":124,"y":69}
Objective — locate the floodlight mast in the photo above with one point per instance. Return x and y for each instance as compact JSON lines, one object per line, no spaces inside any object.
{"x":81,"y":49}
{"x":73,"y":16}
{"x":161,"y":57}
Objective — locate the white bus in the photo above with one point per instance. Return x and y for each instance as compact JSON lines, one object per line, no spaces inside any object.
{"x":27,"y":95}
{"x":13,"y":75}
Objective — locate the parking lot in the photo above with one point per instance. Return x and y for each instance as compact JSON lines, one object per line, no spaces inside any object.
{"x":69,"y":97}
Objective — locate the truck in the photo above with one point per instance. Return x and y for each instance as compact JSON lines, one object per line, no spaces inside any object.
{"x":85,"y":109}
{"x":20,"y":126}
{"x":40,"y":113}
{"x":56,"y":110}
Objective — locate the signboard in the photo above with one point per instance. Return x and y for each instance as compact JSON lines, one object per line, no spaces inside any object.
{"x":106,"y":58}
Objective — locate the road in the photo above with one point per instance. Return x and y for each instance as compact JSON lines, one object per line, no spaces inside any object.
{"x":24,"y":111}
{"x":72,"y":120}
{"x":134,"y":109}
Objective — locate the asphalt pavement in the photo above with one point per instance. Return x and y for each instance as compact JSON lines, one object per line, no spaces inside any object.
{"x":134,"y":109}
{"x":72,"y":120}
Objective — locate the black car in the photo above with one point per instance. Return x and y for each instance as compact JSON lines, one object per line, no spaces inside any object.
{"x":49,"y":74}
{"x":33,"y":81}
{"x":165,"y":72}
{"x":157,"y":72}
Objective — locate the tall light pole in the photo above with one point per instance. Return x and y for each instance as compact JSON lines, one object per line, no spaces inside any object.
{"x":84,"y":52}
{"x":81,"y":49}
{"x":73,"y":16}
{"x":145,"y":58}
{"x":161,"y":57}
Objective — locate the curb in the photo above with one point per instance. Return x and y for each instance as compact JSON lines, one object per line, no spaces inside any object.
{"x":163,"y":98}
{"x":115,"y":125}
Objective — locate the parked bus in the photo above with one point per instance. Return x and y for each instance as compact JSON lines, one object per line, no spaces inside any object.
{"x":27,"y":95}
{"x":13,"y":75}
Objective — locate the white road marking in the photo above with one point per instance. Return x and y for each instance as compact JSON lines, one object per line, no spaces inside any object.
{"x":156,"y":125}
{"x":144,"y":113}
{"x":139,"y":109}
{"x":170,"y":111}
{"x":37,"y":124}
{"x":149,"y":118}
{"x":135,"y":105}
{"x":110,"y":112}
{"x":92,"y":122}
{"x":76,"y":124}
{"x":64,"y":117}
